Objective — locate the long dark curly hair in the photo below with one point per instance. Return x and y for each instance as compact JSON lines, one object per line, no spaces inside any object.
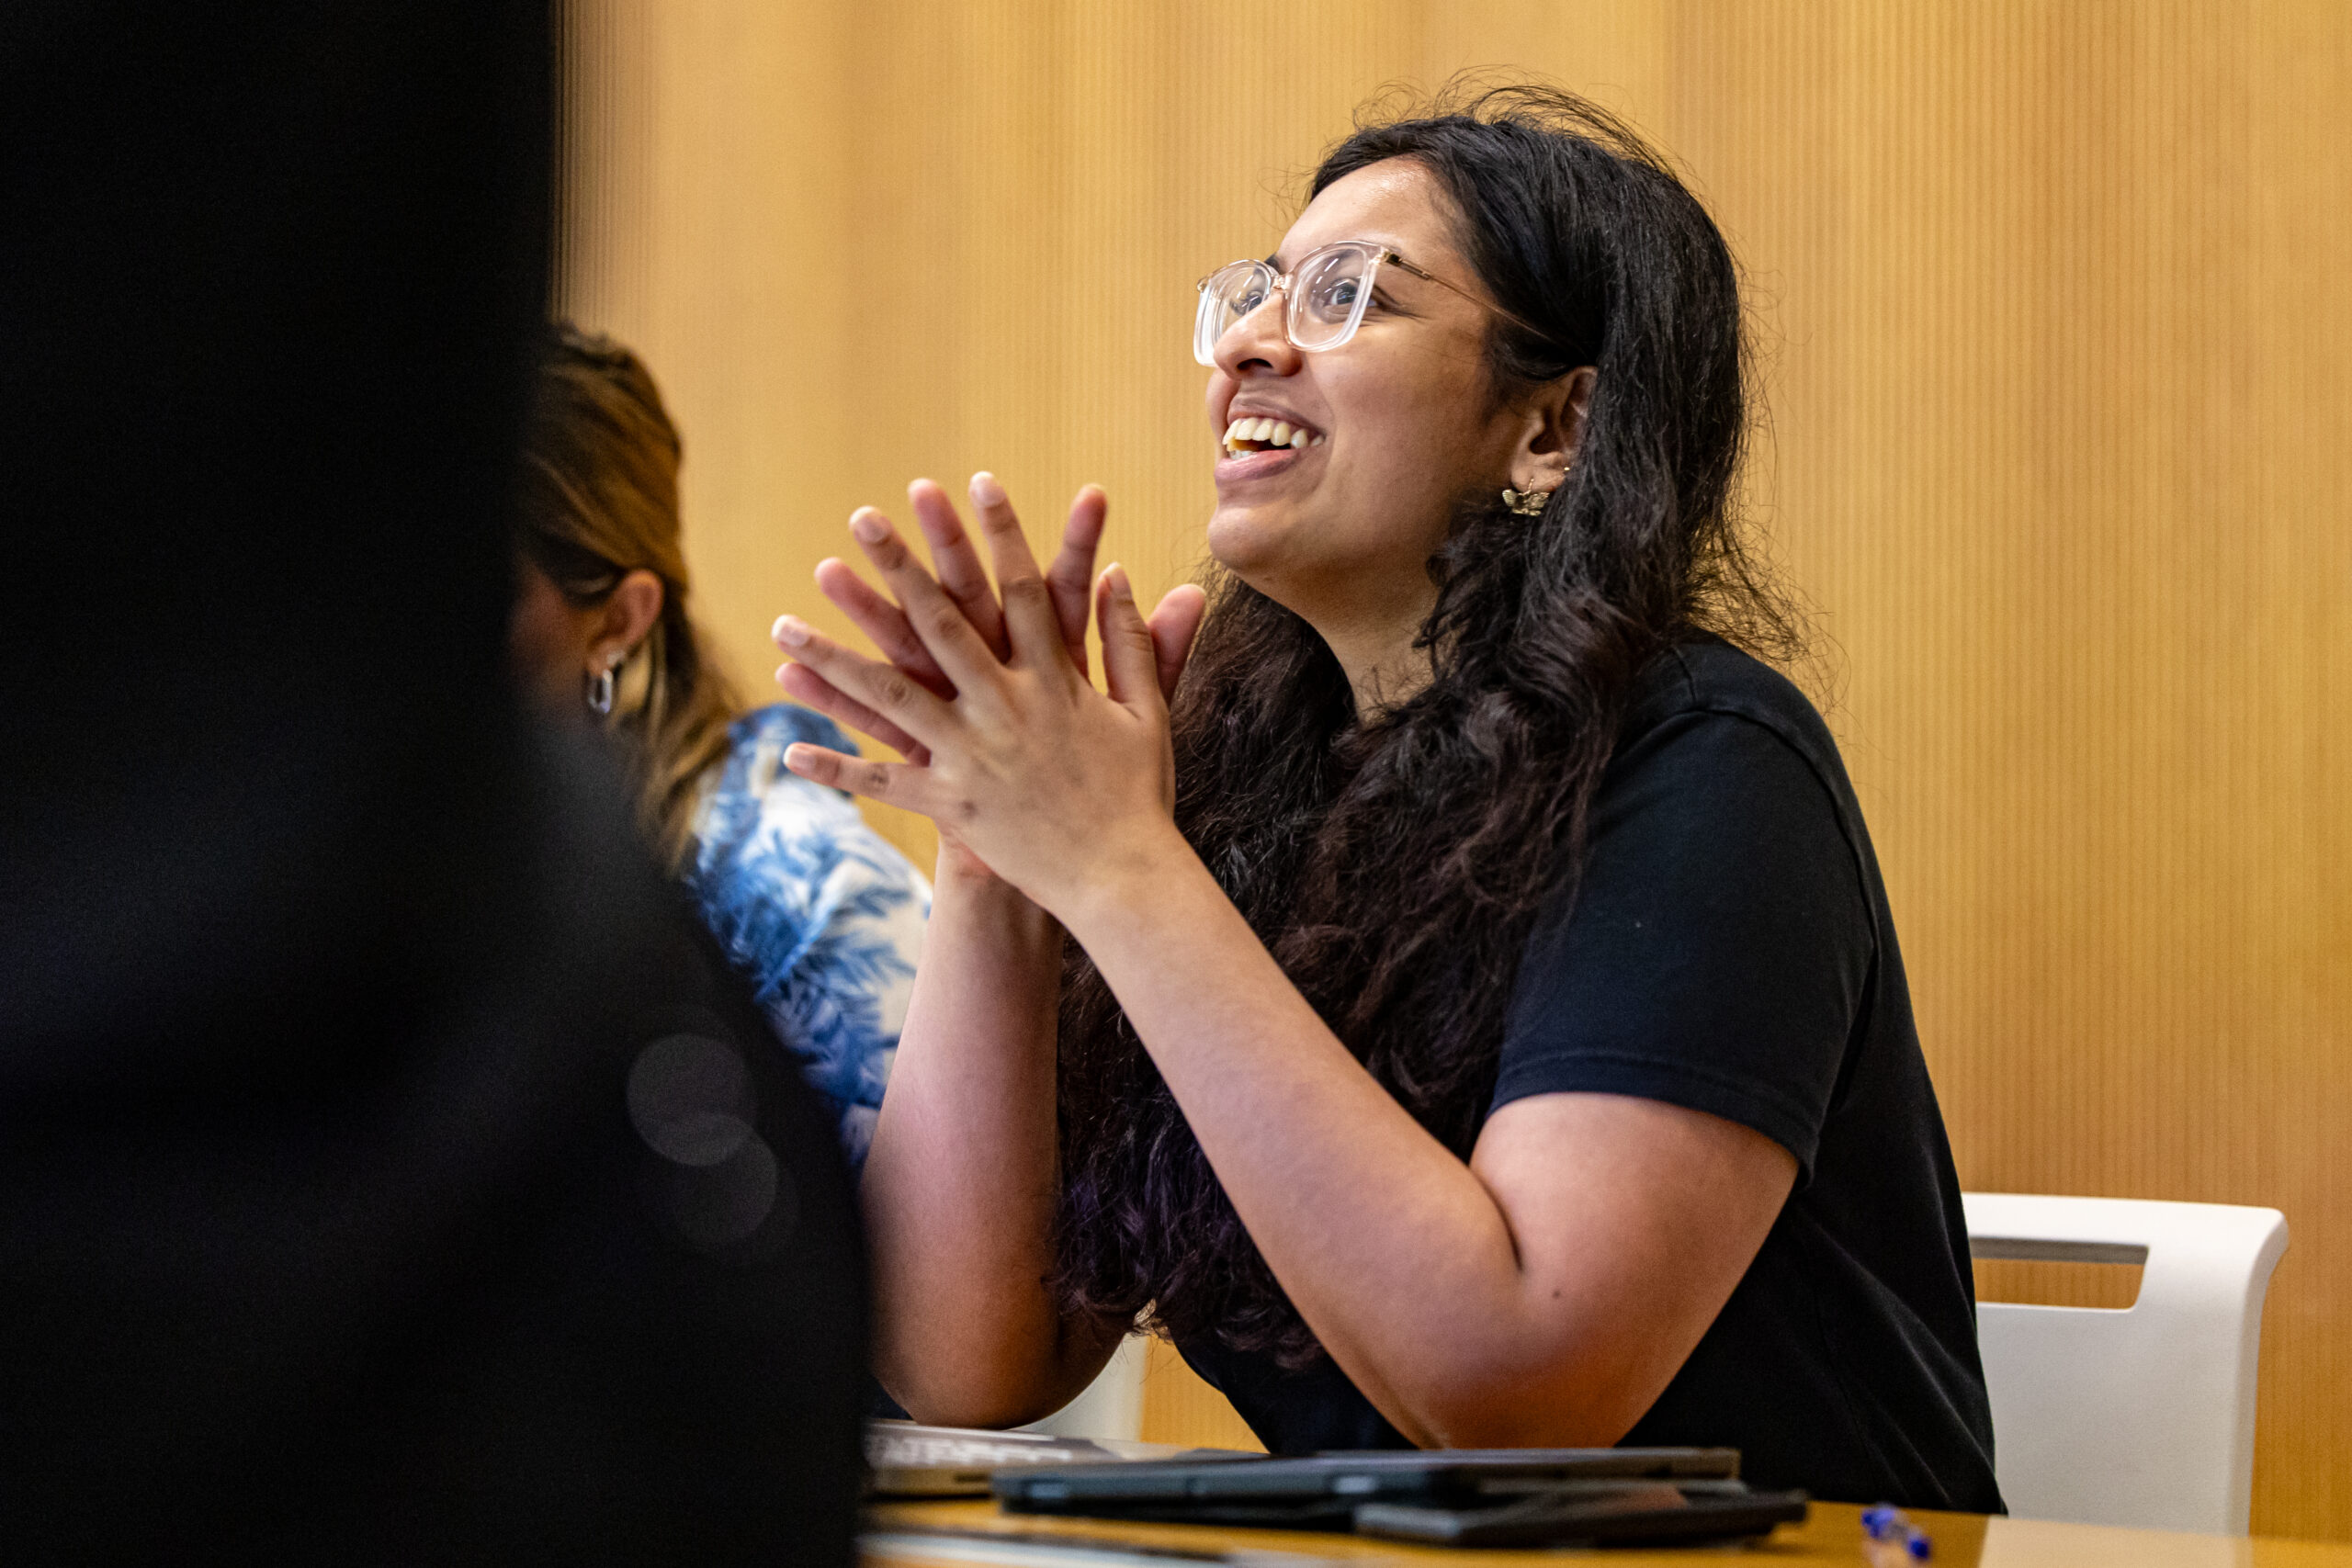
{"x":1395,"y":863}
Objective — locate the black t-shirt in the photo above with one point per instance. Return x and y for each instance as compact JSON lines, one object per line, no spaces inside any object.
{"x":1728,"y":949}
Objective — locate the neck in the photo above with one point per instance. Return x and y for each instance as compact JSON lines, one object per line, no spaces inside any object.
{"x":1369,"y":624}
{"x":1382,"y":667}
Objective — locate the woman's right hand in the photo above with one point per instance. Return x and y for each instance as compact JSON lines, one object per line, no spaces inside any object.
{"x":956,"y":564}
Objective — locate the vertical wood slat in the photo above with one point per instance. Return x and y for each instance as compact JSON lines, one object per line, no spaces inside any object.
{"x":2061,"y":445}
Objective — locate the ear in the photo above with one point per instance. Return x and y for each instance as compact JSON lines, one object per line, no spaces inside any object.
{"x":629,"y":612}
{"x":1551,"y":431}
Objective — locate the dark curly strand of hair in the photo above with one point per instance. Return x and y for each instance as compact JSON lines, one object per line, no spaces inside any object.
{"x":1394,"y":865}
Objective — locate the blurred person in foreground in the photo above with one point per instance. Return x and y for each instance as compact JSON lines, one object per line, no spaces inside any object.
{"x":391,"y":1171}
{"x":817,"y":910}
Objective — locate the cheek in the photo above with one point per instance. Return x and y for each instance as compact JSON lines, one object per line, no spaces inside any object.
{"x":1400,"y":467}
{"x":539,"y":634}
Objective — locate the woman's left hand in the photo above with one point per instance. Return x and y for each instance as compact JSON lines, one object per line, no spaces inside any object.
{"x":1064,"y":791}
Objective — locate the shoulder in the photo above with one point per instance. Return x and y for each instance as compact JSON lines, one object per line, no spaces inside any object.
{"x":1701,"y":679}
{"x":1719,"y":938}
{"x":753,"y":765}
{"x":1709,"y":717}
{"x":757,"y":815}
{"x":1725,"y":790}
{"x":783,"y":724}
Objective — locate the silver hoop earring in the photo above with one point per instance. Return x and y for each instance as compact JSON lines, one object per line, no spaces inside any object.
{"x":600,"y":689}
{"x":1526,"y":503}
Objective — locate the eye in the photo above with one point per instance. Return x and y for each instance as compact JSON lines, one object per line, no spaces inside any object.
{"x":1246,"y":297}
{"x":1334,"y":294}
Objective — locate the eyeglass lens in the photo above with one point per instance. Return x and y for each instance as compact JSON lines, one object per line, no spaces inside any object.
{"x":1326,"y":303}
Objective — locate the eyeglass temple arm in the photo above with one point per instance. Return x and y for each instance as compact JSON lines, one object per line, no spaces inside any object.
{"x":1522,"y":322}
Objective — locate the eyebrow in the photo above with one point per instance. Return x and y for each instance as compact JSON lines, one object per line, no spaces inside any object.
{"x":1274,"y":257}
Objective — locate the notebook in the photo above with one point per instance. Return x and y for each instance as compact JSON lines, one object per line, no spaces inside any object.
{"x":906,"y":1459}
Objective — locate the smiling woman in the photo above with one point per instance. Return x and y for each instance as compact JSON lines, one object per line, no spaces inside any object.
{"x":1471,"y":1017}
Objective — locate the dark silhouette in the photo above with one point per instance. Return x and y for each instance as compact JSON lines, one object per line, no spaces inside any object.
{"x":389,"y":1170}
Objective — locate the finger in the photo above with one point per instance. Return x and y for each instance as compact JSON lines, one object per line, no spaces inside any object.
{"x":1071,"y":579}
{"x":894,"y":783}
{"x":809,"y":689}
{"x":1130,"y":666}
{"x":884,"y":688}
{"x":958,"y":563}
{"x":1030,"y":623}
{"x":884,"y":623}
{"x":1174,"y":626}
{"x":936,"y":620}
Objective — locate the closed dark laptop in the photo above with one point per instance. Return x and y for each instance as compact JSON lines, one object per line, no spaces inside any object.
{"x":1595,"y":1513}
{"x":1455,"y":1477}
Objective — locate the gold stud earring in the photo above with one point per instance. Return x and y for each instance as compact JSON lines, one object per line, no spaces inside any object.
{"x":1526,"y":503}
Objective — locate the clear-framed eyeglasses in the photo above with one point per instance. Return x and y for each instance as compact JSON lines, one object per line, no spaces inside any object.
{"x":1325,"y":296}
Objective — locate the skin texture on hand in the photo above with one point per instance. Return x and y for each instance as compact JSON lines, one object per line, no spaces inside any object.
{"x":1040,"y":771}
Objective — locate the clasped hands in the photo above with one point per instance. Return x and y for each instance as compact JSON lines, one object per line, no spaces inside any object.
{"x":1030,"y":772}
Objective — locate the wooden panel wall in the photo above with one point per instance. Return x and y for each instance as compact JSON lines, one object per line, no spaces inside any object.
{"x":2055,"y":301}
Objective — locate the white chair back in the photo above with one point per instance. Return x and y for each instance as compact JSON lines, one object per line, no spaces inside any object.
{"x":2143,"y":1415}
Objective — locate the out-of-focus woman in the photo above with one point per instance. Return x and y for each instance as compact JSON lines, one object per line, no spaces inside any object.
{"x":819,"y":911}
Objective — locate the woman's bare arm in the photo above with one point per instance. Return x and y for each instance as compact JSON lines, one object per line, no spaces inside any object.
{"x":963,"y":1176}
{"x":1541,"y":1295}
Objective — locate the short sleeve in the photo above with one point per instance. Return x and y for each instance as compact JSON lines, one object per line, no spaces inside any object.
{"x":1718,"y":949}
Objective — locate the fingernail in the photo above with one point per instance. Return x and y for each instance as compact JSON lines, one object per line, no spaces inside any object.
{"x":869,"y":525}
{"x":790,"y":630}
{"x":796,"y":756}
{"x":1119,"y":585}
{"x":986,"y":492}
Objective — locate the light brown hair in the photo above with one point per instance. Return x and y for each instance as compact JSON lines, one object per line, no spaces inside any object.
{"x":599,"y":501}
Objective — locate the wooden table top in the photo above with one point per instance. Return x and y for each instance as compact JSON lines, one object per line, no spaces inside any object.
{"x":900,"y":1535}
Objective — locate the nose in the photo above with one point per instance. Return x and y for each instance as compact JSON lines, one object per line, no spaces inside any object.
{"x":1258,"y":344}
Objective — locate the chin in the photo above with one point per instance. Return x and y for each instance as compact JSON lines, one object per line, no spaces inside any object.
{"x":1249,"y":541}
{"x":1261,"y":556}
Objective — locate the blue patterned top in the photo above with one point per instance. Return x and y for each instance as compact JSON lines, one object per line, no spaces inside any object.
{"x":815,"y":907}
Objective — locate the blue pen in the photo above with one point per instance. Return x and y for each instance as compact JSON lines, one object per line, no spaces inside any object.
{"x":1888,"y":1537}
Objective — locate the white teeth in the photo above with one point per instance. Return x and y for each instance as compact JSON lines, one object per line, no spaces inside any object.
{"x":1271,"y":433}
{"x":1320,"y":439}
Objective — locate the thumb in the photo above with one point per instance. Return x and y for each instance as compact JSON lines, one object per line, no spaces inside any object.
{"x":1130,"y":664}
{"x":1173,"y":627}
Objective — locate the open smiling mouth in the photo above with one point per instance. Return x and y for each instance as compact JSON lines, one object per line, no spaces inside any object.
{"x":1244,"y":436}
